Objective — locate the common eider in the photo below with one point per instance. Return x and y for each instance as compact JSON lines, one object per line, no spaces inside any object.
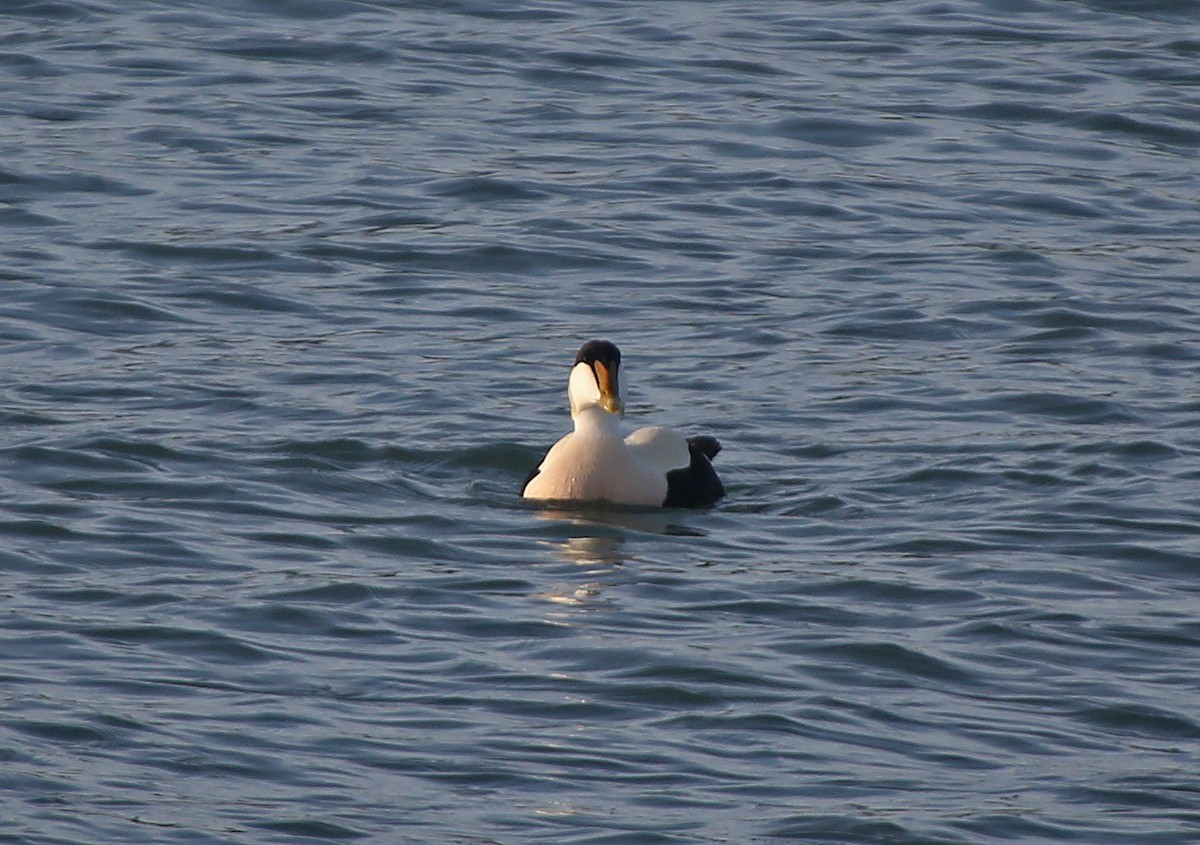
{"x":652,"y":467}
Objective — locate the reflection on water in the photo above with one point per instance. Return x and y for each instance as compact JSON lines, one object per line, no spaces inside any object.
{"x":586,"y":543}
{"x":594,"y":550}
{"x":572,"y":596}
{"x":591,"y":521}
{"x":596,"y":536}
{"x":600,"y":552}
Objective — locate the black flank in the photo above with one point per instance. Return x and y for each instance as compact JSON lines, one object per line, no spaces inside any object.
{"x":532,"y":475}
{"x":697,"y":484}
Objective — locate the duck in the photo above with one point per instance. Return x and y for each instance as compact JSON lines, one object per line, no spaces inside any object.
{"x":652,"y":467}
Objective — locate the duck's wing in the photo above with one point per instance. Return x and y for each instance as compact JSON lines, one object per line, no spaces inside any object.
{"x":546,"y":460}
{"x":691,"y":480}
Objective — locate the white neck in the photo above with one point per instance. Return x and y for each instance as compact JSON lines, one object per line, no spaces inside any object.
{"x":582,"y":389}
{"x":594,"y":421}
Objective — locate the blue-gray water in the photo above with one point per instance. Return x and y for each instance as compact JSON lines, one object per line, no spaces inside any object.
{"x":288,"y":295}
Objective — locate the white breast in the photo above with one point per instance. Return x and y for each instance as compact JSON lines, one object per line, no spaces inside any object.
{"x":589,"y":468}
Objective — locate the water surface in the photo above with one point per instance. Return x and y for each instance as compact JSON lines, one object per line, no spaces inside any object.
{"x":288,"y":296}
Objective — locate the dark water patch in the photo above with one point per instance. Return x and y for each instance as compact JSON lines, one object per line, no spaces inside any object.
{"x":1152,"y":796}
{"x":14,"y":562}
{"x":217,"y":759}
{"x":516,"y":13}
{"x":1059,"y":317}
{"x":496,"y":258}
{"x":824,"y":131}
{"x":507,"y":458}
{"x":1040,"y":203}
{"x":494,"y":629}
{"x":828,"y":828}
{"x":71,"y":182}
{"x":1010,"y":111}
{"x":111,"y":316}
{"x":68,"y":733}
{"x":153,"y":66}
{"x":596,"y":59}
{"x":897,"y":594}
{"x":891,"y":663}
{"x":798,"y":208}
{"x":386,"y":220}
{"x":573,"y":79}
{"x":665,"y":695}
{"x":1186,"y":47}
{"x":291,"y":540}
{"x":50,"y":10}
{"x":345,"y":106}
{"x":1096,"y":470}
{"x":817,"y":506}
{"x":239,"y":296}
{"x":36,"y":529}
{"x":1139,"y":556}
{"x":739,"y":67}
{"x":340,"y":452}
{"x":202,"y":645}
{"x":411,"y":548}
{"x":1068,"y":408}
{"x":943,"y":477}
{"x":698,"y":674}
{"x":103,"y":596}
{"x":734,"y":729}
{"x":483,"y":189}
{"x":232,"y":255}
{"x":1052,"y":341}
{"x":1158,"y":133}
{"x":317,"y":829}
{"x":1184,"y":634}
{"x":336,"y":594}
{"x":1135,"y":451}
{"x":1140,"y":721}
{"x":19,"y":217}
{"x":73,"y":460}
{"x":174,"y":138}
{"x":273,"y":48}
{"x":1017,"y":824}
{"x":814,"y":451}
{"x":306,"y":622}
{"x":29,"y":67}
{"x":854,"y":405}
{"x":312,"y":10}
{"x":1036,"y":478}
{"x":901,"y":324}
{"x":53,"y":114}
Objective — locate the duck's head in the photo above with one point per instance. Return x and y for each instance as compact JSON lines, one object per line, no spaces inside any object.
{"x":594,"y":381}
